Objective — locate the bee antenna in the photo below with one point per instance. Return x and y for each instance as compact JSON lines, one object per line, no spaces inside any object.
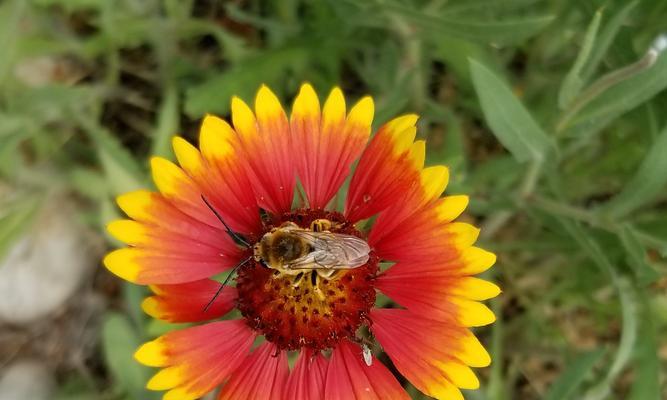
{"x":222,"y":285}
{"x":235,"y":236}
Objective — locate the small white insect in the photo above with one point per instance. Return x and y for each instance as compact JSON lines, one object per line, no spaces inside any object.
{"x":368,"y":356}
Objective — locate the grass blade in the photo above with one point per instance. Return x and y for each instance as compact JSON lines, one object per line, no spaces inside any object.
{"x":122,"y":170}
{"x":15,"y":218}
{"x":646,"y":385}
{"x":570,"y":380}
{"x":573,"y":81}
{"x":605,"y":39}
{"x":636,"y":254}
{"x":243,"y":79}
{"x":618,"y":99}
{"x":120,"y":341}
{"x":10,"y":18}
{"x":628,"y":299}
{"x":167,"y":123}
{"x":507,"y":31}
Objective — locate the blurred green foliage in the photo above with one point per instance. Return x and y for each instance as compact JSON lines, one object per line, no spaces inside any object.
{"x":548,"y":113}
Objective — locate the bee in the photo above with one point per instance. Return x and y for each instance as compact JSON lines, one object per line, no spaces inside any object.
{"x":293,"y":250}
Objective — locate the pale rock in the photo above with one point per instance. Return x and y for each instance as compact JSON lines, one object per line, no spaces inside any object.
{"x":45,"y":267}
{"x":26,"y":379}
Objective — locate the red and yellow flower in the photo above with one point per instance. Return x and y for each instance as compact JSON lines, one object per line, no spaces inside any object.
{"x":176,"y":245}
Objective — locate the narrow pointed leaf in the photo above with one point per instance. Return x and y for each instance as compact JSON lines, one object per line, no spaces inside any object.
{"x":573,"y":81}
{"x":509,"y":120}
{"x":571,"y":379}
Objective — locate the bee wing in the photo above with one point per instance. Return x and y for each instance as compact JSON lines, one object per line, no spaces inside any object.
{"x":331,"y":251}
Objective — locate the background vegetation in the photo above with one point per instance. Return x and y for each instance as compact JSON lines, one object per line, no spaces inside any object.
{"x":562,"y":149}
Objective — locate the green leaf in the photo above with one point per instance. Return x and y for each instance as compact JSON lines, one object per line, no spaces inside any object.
{"x":122,"y":171}
{"x":569,"y":381}
{"x":88,"y":182}
{"x":134,"y":295}
{"x":573,"y":81}
{"x":646,"y":385}
{"x":637,"y":259}
{"x":167,"y":124}
{"x":71,"y":5}
{"x":628,"y":299}
{"x":648,"y":182}
{"x":243,"y":80}
{"x":120,"y":341}
{"x":75,"y":387}
{"x":11,"y":14}
{"x":14,"y":220}
{"x":605,"y":39}
{"x":456,"y":54}
{"x":505,"y":31}
{"x":619,"y":99}
{"x":508,"y":118}
{"x":155,"y":327}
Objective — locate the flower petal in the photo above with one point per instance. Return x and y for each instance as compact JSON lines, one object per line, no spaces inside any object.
{"x":186,"y":302}
{"x":262,"y":376}
{"x":443,"y":290}
{"x":146,"y":266}
{"x":169,"y":246}
{"x":434,"y":356}
{"x":424,"y":197}
{"x":306,"y":381}
{"x":266,"y":145}
{"x":327,"y":144}
{"x":180,"y":190}
{"x":348,"y":377}
{"x":428,"y":234}
{"x":222,"y":181}
{"x":196,"y":359}
{"x":388,"y":169}
{"x":439,"y":295}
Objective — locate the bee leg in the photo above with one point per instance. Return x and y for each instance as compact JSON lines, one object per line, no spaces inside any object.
{"x":327,"y":274}
{"x":316,"y":287}
{"x":297,"y":279}
{"x":319,"y":292}
{"x":320,"y":225}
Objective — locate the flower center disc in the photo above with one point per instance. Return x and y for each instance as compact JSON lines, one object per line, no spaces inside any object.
{"x":306,"y":310}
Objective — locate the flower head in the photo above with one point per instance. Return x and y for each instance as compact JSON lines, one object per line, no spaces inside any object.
{"x":307,"y":275}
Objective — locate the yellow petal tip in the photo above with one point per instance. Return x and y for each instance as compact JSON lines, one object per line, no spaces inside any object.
{"x":267,"y":105}
{"x":434,"y":180}
{"x":127,"y":231}
{"x":362,"y":112}
{"x":460,"y":374}
{"x":134,"y":203}
{"x":333,"y":111}
{"x":151,"y":306}
{"x":306,"y":104}
{"x":472,"y":352}
{"x":152,"y":354}
{"x":243,"y":118}
{"x":121,"y":264}
{"x":166,"y":379}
